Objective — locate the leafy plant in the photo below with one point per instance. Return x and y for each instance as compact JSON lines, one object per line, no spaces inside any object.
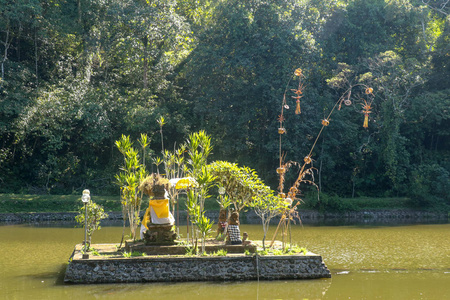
{"x":94,"y":214}
{"x":268,"y":206}
{"x":221,"y":252}
{"x":241,"y":184}
{"x":204,"y":224}
{"x":190,"y":251}
{"x":137,"y":253}
{"x":129,"y":179}
{"x":161,"y":122}
{"x":293,"y":249}
{"x":263,"y":252}
{"x":277,"y":252}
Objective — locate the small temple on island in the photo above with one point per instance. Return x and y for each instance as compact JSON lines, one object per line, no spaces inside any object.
{"x":157,"y":226}
{"x":166,"y":257}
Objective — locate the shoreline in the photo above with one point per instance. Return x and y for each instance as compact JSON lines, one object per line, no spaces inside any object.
{"x":380,"y":216}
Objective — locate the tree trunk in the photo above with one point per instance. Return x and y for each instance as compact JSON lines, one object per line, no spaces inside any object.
{"x":145,"y":75}
{"x":79,"y":11}
{"x":36,"y":58}
{"x":6,"y":44}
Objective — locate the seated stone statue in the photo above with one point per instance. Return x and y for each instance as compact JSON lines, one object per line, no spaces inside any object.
{"x":158,"y":213}
{"x":158,"y":206}
{"x":158,"y":220}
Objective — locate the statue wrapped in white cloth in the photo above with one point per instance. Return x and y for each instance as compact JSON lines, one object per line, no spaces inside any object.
{"x":158,"y":212}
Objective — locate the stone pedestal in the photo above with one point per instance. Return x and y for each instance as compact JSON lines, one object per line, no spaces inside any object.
{"x":160,"y":235}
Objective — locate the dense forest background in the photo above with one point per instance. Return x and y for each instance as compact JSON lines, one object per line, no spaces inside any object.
{"x":77,"y":74}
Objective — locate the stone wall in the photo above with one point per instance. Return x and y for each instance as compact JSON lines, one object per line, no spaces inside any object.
{"x":216,"y":268}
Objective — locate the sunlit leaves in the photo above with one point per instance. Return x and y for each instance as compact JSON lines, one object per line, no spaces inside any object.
{"x":132,"y":174}
{"x":91,"y":215}
{"x":241,"y":184}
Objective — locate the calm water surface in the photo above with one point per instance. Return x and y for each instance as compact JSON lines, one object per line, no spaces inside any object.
{"x":369,"y":262}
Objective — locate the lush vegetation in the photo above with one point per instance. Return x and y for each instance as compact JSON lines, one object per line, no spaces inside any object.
{"x":76,"y":75}
{"x":19,"y":203}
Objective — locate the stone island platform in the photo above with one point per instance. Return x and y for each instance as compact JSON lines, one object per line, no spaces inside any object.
{"x":109,"y":265}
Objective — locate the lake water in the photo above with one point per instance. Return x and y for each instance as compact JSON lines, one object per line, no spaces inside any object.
{"x":367,"y":262}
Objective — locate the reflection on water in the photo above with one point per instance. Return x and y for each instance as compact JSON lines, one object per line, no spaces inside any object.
{"x":367,"y":262}
{"x":211,"y":290}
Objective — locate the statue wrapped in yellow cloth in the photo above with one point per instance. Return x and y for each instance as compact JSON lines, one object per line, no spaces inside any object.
{"x":158,"y":206}
{"x":158,"y":213}
{"x":158,"y":220}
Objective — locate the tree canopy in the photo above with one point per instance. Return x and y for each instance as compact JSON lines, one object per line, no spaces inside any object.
{"x":76,"y":75}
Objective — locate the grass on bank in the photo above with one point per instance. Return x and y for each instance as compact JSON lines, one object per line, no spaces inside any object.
{"x":23,"y":203}
{"x":19,"y":203}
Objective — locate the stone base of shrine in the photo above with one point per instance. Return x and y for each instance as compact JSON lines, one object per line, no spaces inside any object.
{"x":108,"y":266}
{"x":211,"y":246}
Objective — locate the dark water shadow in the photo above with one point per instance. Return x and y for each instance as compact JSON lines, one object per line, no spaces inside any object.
{"x":57,"y":276}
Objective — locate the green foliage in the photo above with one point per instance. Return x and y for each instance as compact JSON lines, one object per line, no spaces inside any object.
{"x":126,"y":254}
{"x":15,"y":203}
{"x":263,"y":252}
{"x":137,"y":253}
{"x":235,"y":74}
{"x":241,"y":184}
{"x":331,"y":203}
{"x":129,"y":180}
{"x":92,"y":214}
{"x":295,"y":249}
{"x":198,"y":218}
{"x":190,"y":251}
{"x":268,"y":206}
{"x":204,"y":224}
{"x":76,"y":75}
{"x":198,"y":147}
{"x":220,"y":252}
{"x":223,"y":201}
{"x":429,"y":187}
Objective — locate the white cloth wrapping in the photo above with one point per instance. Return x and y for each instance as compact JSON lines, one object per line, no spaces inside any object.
{"x":161,"y":221}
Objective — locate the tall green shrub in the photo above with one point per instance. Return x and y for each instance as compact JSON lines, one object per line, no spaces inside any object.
{"x":131,"y":175}
{"x":95,"y":213}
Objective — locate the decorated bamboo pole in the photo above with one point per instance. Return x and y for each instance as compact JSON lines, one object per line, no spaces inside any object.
{"x":304,"y":170}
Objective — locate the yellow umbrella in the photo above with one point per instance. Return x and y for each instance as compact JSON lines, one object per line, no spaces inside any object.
{"x":180,"y":184}
{"x":184,"y":183}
